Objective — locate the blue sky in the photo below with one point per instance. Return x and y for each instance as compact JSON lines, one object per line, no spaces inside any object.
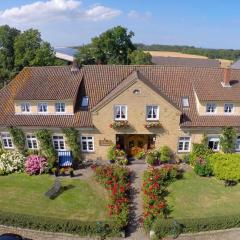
{"x":212,"y":23}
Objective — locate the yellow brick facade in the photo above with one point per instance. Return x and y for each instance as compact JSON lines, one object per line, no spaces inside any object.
{"x":201,"y":106}
{"x":51,"y":106}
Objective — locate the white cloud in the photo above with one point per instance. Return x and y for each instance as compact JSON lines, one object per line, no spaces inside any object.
{"x":99,"y":12}
{"x":42,"y":11}
{"x":133,"y":14}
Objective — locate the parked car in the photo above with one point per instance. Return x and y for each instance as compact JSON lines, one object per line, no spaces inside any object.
{"x":10,"y":236}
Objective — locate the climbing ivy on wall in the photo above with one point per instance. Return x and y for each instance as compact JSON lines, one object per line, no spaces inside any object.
{"x":46,"y":146}
{"x":19,"y":139}
{"x":72,"y":136}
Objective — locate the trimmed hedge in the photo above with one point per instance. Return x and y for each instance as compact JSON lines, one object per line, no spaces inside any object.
{"x":48,"y":224}
{"x":166,"y":227}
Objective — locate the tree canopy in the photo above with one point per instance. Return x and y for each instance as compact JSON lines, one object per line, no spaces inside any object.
{"x":114,"y":46}
{"x":21,"y":49}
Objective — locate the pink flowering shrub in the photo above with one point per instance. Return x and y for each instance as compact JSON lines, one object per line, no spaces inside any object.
{"x":35,"y":164}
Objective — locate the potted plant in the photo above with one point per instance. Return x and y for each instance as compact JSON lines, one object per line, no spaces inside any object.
{"x":71,"y":172}
{"x":55,"y":171}
{"x":111,"y":154}
{"x":62,"y":171}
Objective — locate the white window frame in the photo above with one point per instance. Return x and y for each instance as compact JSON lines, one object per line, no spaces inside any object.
{"x":115,"y":112}
{"x":31,"y":138}
{"x":8,"y":138}
{"x":215,"y":139}
{"x":25,"y":106}
{"x":56,"y":139}
{"x":40,"y":106}
{"x":85,"y":101}
{"x":185,"y":100}
{"x":157,"y":115}
{"x":225,"y":104}
{"x":87,"y":140}
{"x":62,"y":105}
{"x":215,"y":109}
{"x":183,"y":140}
{"x":238,"y":144}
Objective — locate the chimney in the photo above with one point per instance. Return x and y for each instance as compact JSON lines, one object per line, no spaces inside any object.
{"x":226,"y":77}
{"x":75,"y":66}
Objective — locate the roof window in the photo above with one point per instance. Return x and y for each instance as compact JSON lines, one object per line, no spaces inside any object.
{"x":85,"y":101}
{"x":185,"y":102}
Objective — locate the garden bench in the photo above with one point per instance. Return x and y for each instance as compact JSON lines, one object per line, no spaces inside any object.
{"x":54,"y":190}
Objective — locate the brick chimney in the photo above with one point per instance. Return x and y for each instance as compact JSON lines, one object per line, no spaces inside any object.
{"x":75,"y":66}
{"x":226,"y":77}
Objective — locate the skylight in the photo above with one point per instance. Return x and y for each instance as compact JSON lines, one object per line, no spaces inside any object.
{"x":185,"y":102}
{"x":85,"y":101}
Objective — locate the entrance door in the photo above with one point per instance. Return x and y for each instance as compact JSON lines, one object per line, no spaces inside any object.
{"x":136,"y":144}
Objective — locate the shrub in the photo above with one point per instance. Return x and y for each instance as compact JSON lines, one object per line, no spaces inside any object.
{"x":19,"y":138}
{"x":140,"y":155}
{"x":202,"y":167}
{"x":73,"y":143}
{"x":225,"y":166}
{"x":46,"y":146}
{"x":155,"y":182}
{"x":228,"y":139}
{"x":166,"y":153}
{"x":166,"y":227}
{"x":199,"y":151}
{"x":111,"y":154}
{"x":35,"y":165}
{"x":151,"y":157}
{"x":40,"y":223}
{"x":116,"y":179}
{"x":11,"y":162}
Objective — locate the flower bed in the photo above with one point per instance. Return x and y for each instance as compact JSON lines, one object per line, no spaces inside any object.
{"x":11,"y":162}
{"x":35,"y":165}
{"x":120,"y":124}
{"x":155,"y":182}
{"x":156,"y":124}
{"x":116,"y":180}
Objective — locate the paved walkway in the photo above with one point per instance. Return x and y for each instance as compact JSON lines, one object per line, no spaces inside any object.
{"x":135,"y":230}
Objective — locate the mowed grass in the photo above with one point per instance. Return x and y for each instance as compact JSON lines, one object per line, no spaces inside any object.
{"x":198,"y":197}
{"x":84,"y":200}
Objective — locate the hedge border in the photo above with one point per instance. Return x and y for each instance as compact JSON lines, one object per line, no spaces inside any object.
{"x":49,"y":224}
{"x":167,"y":227}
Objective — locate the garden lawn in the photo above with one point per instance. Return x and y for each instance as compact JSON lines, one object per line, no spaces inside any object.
{"x":199,"y":197}
{"x":84,"y":200}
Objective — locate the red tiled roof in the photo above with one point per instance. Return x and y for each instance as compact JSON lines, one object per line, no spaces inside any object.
{"x":100,"y":81}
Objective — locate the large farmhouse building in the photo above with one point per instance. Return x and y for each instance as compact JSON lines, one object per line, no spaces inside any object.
{"x":132,"y":106}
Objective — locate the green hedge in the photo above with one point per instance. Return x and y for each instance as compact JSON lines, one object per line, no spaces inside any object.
{"x":225,"y":166}
{"x":166,"y":227}
{"x":49,"y":224}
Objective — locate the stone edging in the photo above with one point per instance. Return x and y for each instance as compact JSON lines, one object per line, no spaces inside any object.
{"x":40,"y":235}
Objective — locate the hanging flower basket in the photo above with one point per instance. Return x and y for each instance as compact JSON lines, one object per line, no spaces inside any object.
{"x":153,"y":125}
{"x":119,"y":124}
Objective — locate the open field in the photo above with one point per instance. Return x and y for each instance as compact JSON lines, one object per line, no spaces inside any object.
{"x":198,"y":197}
{"x":224,"y":62}
{"x":83,"y":200}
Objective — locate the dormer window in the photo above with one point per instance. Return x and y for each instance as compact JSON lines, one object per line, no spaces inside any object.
{"x":25,"y":107}
{"x":228,"y":108}
{"x":211,"y":108}
{"x":60,"y":107}
{"x":85,"y":101}
{"x":42,"y":107}
{"x":185,"y":102}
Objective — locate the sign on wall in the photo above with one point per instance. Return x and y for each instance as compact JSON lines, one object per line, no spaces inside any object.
{"x":105,"y":142}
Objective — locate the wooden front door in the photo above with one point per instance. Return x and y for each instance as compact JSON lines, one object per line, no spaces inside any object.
{"x":136,"y":144}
